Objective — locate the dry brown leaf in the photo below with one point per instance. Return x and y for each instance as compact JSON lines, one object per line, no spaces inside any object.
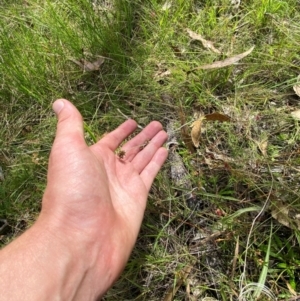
{"x":227,"y":62}
{"x":296,"y":114}
{"x":196,"y":131}
{"x":217,"y":117}
{"x":182,"y":276}
{"x":286,"y":216}
{"x":206,"y":44}
{"x":197,"y":125}
{"x":185,"y":131}
{"x":89,"y":66}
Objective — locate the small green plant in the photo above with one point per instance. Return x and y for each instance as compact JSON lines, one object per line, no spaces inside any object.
{"x":287,"y":259}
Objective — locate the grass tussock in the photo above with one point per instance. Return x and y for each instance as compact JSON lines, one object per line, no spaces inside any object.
{"x":243,"y":224}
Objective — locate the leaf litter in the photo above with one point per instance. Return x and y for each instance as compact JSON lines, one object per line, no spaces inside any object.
{"x":206,"y":43}
{"x":88,"y":66}
{"x":197,"y":125}
{"x":227,"y":62}
{"x":285,"y":215}
{"x":196,"y":131}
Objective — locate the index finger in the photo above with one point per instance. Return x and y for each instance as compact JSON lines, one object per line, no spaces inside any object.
{"x":115,"y":138}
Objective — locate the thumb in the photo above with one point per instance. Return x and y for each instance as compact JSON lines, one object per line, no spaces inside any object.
{"x":70,"y":123}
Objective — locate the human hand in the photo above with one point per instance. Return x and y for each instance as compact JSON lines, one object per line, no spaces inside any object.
{"x":93,"y":198}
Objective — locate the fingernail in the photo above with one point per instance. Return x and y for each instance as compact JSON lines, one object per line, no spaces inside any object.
{"x":57,"y":106}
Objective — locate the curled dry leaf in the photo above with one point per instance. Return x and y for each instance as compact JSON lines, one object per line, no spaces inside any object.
{"x":227,"y":62}
{"x":196,"y":131}
{"x":207,"y":44}
{"x":197,"y":125}
{"x":217,"y":117}
{"x":296,"y":114}
{"x":89,"y":66}
{"x":185,"y":131}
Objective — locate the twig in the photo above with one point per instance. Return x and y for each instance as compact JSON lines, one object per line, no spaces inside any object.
{"x":139,"y":126}
{"x":235,"y":258}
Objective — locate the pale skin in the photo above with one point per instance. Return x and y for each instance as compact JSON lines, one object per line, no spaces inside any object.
{"x":91,"y":213}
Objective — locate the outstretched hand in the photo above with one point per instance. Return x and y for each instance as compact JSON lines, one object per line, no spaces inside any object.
{"x":95,"y":198}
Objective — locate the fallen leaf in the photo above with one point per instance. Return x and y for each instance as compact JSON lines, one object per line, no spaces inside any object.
{"x":196,"y":131}
{"x":206,"y":43}
{"x":286,"y":215}
{"x":227,"y":62}
{"x":296,"y":114}
{"x":197,"y":125}
{"x":89,"y":66}
{"x":185,"y":131}
{"x":217,"y":117}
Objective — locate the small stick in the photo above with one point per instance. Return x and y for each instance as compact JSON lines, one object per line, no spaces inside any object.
{"x":139,"y":126}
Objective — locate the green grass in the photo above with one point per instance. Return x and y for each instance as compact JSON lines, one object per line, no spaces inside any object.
{"x":146,"y":75}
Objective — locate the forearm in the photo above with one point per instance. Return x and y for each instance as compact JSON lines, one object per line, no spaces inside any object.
{"x":40,"y":266}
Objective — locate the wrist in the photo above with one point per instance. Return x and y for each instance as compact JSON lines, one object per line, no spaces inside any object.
{"x":37,"y":257}
{"x":90,"y":257}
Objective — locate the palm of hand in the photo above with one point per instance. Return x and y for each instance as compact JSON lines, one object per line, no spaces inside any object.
{"x":92,"y":190}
